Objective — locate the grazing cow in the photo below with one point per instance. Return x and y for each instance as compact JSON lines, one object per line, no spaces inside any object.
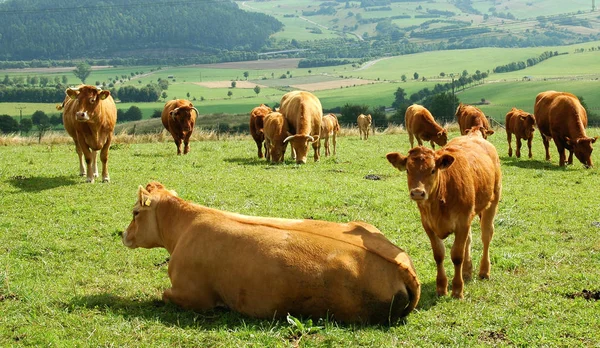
{"x":304,"y":112}
{"x":257,"y":116}
{"x":89,"y":116}
{"x":364,"y":124}
{"x":522,"y":125}
{"x":420,"y":124}
{"x":469,"y":116}
{"x":451,"y":186}
{"x":275,"y":131}
{"x":269,"y":267}
{"x":330,"y":127}
{"x":560,"y":116}
{"x":179,"y":118}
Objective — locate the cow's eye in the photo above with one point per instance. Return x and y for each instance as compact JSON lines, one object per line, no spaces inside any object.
{"x":135,"y":213}
{"x":433,"y":171}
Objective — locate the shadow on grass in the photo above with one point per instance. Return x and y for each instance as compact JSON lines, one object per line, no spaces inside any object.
{"x":255,"y":161}
{"x":527,"y":163}
{"x":41,"y":183}
{"x":429,"y":297}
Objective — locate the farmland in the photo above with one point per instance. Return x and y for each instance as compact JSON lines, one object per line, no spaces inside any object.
{"x":67,"y":280}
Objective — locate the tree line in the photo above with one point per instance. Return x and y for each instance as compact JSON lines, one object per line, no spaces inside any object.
{"x":513,"y":66}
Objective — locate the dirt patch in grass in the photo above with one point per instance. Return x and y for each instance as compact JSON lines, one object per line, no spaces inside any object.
{"x":226,"y":84}
{"x":332,"y":84}
{"x":586,"y":294}
{"x":493,"y":336}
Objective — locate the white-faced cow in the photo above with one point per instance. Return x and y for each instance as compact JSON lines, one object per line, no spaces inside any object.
{"x":304,"y":112}
{"x":89,"y":116}
{"x":179,"y":117}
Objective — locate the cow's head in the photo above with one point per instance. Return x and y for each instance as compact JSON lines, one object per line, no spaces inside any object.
{"x":422,"y":166}
{"x":300,"y":144}
{"x":528,"y":122}
{"x":479,"y":131}
{"x":582,"y":148}
{"x":441,"y":137}
{"x":143,"y":231}
{"x":87,"y":100}
{"x":459,"y":109}
{"x":185,"y":116}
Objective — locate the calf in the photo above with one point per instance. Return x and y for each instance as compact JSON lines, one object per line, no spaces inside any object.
{"x":451,"y":186}
{"x":275,"y":131}
{"x":257,"y":116}
{"x":522,"y":125}
{"x":420,"y":124}
{"x":364,"y":124}
{"x":329,"y":128}
{"x":470,"y":116}
{"x":269,"y":267}
{"x":561,"y":117}
{"x":179,"y":117}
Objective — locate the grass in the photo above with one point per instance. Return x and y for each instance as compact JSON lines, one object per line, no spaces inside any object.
{"x":66,"y":279}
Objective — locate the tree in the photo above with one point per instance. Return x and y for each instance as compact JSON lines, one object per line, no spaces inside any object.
{"x":246,"y":74}
{"x":39,"y":118}
{"x":82,"y":71}
{"x":133,"y":113}
{"x":403,"y":78}
{"x":164,"y":95}
{"x":55,"y":120}
{"x":8,"y":124}
{"x":65,"y":79}
{"x":442,"y":106}
{"x":233,"y":84}
{"x":25,"y":125}
{"x":229,"y":94}
{"x":442,"y":74}
{"x":399,"y":98}
{"x":257,"y":89}
{"x":157,"y":114}
{"x":416,"y":76}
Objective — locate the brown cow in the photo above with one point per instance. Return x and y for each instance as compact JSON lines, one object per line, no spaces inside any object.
{"x":330,"y":127}
{"x":257,"y":116}
{"x":420,"y":124}
{"x":89,"y":116}
{"x":364,"y":124}
{"x":451,"y":186}
{"x":304,"y":112}
{"x":470,"y":116}
{"x":269,"y":267}
{"x":179,"y":118}
{"x":275,"y":131}
{"x":522,"y":125}
{"x":560,"y":116}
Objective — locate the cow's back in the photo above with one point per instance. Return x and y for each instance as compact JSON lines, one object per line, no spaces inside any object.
{"x":469,"y":116}
{"x":567,"y":117}
{"x":419,"y":120}
{"x":303,"y":111}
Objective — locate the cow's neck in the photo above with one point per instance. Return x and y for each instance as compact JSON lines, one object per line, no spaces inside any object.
{"x":174,"y":216}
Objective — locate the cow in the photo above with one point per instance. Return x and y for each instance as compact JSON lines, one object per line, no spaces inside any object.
{"x":257,"y":116}
{"x":89,"y":116}
{"x":451,"y":186}
{"x":330,"y":127}
{"x":364,"y":124}
{"x":420,"y":124}
{"x":522,"y":125}
{"x":275,"y":131}
{"x":303,"y":112}
{"x":561,"y":117}
{"x":470,"y":116}
{"x":268,"y":267}
{"x":179,"y":117}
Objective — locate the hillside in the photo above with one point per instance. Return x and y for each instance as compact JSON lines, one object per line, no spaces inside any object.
{"x":61,"y":29}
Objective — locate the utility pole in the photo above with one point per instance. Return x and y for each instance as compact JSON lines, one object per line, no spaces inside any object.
{"x":593,"y":5}
{"x":20,"y":108}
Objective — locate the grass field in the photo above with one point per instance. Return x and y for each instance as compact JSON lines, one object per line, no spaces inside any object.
{"x":66,"y":279}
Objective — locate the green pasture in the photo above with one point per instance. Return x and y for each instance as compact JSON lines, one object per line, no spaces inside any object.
{"x":533,"y":8}
{"x":67,"y":280}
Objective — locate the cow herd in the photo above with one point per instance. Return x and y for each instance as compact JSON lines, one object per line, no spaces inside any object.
{"x":350,"y":271}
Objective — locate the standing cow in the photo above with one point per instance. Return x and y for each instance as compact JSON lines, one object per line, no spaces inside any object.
{"x":560,"y":116}
{"x":451,"y":186}
{"x":330,"y":127}
{"x":257,"y":116}
{"x":304,"y":112}
{"x":89,"y":116}
{"x":420,"y":124}
{"x":470,"y":117}
{"x":364,"y":124}
{"x":179,"y":118}
{"x":522,"y":125}
{"x":275,"y":131}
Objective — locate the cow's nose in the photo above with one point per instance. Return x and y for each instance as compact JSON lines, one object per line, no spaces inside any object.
{"x":417,"y":194}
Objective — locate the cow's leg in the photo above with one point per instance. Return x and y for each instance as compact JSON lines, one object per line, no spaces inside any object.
{"x":561,"y":152}
{"x":419,"y":140}
{"x":316,"y":145}
{"x":519,"y":144}
{"x":457,"y":255}
{"x":432,"y":144}
{"x":267,"y":151}
{"x":259,"y":145}
{"x":467,"y":267}
{"x":437,"y":245}
{"x":570,"y":160}
{"x":81,"y":159}
{"x":104,"y":159}
{"x":334,"y":143}
{"x":186,"y":143}
{"x":95,"y":163}
{"x":509,"y":138}
{"x":189,"y":299}
{"x":178,"y":144}
{"x":529,"y":146}
{"x":327,"y":149}
{"x":87,"y":153}
{"x":487,"y":232}
{"x":411,"y":139}
{"x":546,"y":142}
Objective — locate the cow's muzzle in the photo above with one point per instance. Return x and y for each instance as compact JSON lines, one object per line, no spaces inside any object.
{"x":418,"y":194}
{"x":82,"y":116}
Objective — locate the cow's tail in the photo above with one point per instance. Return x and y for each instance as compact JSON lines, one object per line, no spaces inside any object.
{"x":412,"y":288}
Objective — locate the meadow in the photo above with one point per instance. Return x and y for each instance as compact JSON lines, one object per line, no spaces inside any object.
{"x":67,"y":280}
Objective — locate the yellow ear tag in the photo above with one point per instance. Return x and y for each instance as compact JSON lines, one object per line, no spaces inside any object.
{"x":147,"y":202}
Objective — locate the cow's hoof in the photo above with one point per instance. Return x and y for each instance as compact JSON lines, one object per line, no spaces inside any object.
{"x":90,"y":180}
{"x":106,"y":179}
{"x":458,"y":295}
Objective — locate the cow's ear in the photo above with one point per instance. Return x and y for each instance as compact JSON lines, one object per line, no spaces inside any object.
{"x":523,"y":117}
{"x":316,"y":138}
{"x":397,"y":160}
{"x":191,"y":105}
{"x":444,"y":161}
{"x":489,"y":131}
{"x":72,"y":93}
{"x":568,"y":141}
{"x":594,"y":139}
{"x":103,"y":95}
{"x":144,"y":197}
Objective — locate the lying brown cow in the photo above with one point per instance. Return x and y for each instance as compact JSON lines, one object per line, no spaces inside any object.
{"x":560,"y":116}
{"x":266,"y":267}
{"x":522,"y":125}
{"x":469,"y":116}
{"x":330,"y":127}
{"x":89,"y":116}
{"x":257,"y":116}
{"x":179,"y":118}
{"x":304,"y":112}
{"x":275,"y":131}
{"x":450,"y":187}
{"x":364,"y":124}
{"x":420,"y":124}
